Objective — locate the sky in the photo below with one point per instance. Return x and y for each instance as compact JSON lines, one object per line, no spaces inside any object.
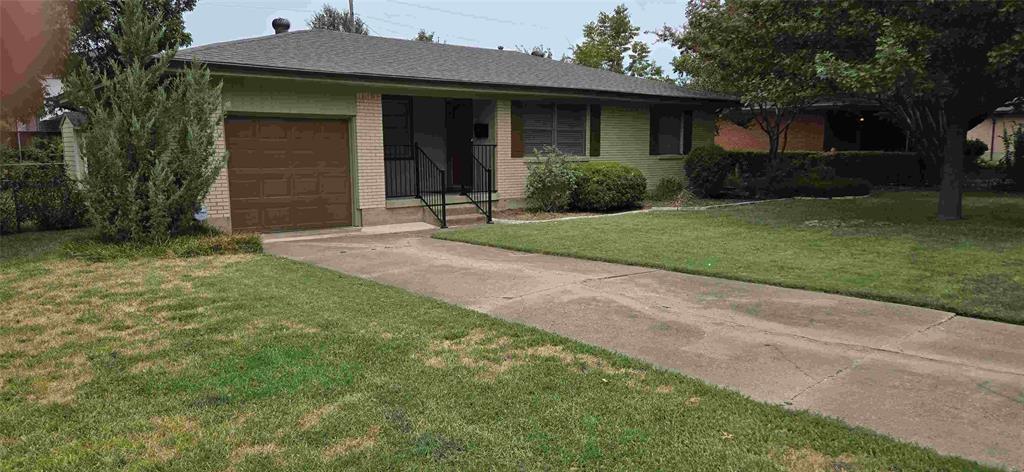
{"x":481,"y":23}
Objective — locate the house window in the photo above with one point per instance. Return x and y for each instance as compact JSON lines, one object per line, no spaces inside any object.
{"x":546,"y":124}
{"x":671,"y":130}
{"x":595,"y":130}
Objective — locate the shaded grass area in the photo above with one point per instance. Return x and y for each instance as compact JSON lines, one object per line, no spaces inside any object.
{"x":887,"y":247}
{"x":251,"y":362}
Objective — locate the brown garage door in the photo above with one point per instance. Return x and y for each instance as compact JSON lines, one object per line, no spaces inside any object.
{"x":288,"y":174}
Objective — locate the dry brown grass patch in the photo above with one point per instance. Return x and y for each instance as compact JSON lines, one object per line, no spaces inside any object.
{"x":240,"y":453}
{"x":52,"y":382}
{"x":160,"y":443}
{"x":810,"y":460}
{"x":664,"y":389}
{"x":293,"y":326}
{"x":313,"y":418}
{"x":76,"y":302}
{"x":166,"y":365}
{"x":492,"y":356}
{"x":350,"y":445}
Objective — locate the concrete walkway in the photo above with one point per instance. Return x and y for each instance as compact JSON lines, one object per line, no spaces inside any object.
{"x":950,"y":383}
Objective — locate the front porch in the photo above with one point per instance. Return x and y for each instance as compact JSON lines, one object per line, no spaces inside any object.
{"x":439,"y":152}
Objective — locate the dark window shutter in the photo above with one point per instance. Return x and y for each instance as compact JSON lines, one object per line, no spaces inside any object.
{"x":688,"y":129}
{"x":654,"y":130}
{"x":595,"y":130}
{"x":517,"y":130}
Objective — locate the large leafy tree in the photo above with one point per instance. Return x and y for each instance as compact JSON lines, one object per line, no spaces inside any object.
{"x":99,"y":21}
{"x":610,"y":40}
{"x":330,"y":18}
{"x":150,"y":140}
{"x":938,"y":66}
{"x":761,"y":52}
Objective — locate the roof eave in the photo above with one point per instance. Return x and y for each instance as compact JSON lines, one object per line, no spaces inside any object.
{"x":221,"y":67}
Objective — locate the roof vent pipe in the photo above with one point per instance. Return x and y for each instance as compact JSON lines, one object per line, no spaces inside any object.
{"x":280,"y":25}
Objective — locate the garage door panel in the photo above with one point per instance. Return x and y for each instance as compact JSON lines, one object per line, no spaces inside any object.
{"x":245,"y":217}
{"x":335,"y":185}
{"x":309,"y":186}
{"x":288,"y":174}
{"x":338,"y":212}
{"x":276,"y":188}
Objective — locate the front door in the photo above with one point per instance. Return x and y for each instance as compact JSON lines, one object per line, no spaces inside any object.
{"x":459,"y":126}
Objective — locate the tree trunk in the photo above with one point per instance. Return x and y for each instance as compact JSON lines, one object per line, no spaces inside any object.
{"x":951,"y":191}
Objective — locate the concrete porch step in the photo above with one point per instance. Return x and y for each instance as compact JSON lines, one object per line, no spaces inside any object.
{"x":466,"y":219}
{"x":463,"y":209}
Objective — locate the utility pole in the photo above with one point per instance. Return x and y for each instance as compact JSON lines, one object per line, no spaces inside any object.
{"x":351,"y":18}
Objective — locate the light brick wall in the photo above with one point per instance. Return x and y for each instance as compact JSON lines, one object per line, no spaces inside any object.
{"x":218,"y":201}
{"x":370,"y":150}
{"x":511,"y":171}
{"x":807,"y":133}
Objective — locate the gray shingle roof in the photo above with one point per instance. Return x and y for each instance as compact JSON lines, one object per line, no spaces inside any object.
{"x":374,"y":57}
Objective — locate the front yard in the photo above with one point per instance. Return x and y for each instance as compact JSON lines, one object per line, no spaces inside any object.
{"x":886,"y":247}
{"x":251,"y":362}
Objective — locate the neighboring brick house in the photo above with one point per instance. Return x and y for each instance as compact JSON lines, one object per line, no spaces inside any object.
{"x":990,"y":131}
{"x":326,"y":128}
{"x":841,"y":126}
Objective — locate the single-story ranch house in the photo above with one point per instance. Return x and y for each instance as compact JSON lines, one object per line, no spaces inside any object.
{"x":326,"y":128}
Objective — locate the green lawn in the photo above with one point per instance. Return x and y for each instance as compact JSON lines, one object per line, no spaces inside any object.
{"x":886,"y":247}
{"x":251,"y":362}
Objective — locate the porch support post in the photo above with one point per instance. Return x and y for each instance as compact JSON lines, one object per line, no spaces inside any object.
{"x":416,"y":165}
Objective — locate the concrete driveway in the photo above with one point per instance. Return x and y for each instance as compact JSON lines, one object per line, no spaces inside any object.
{"x":946,"y":382}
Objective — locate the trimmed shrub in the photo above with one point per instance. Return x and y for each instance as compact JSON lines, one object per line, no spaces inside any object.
{"x":208,"y":242}
{"x":668,"y":189}
{"x":8,"y":216}
{"x":604,"y":186}
{"x":973,"y":150}
{"x":38,"y":188}
{"x":707,"y":168}
{"x":814,"y":186}
{"x":551,"y":183}
{"x":877,"y":167}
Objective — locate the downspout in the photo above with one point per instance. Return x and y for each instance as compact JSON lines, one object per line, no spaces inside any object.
{"x":992,"y":145}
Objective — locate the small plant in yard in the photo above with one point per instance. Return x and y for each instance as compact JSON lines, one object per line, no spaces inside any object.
{"x":668,"y":189}
{"x":150,"y":139}
{"x":604,"y":186}
{"x":707,"y":168}
{"x":550,"y":183}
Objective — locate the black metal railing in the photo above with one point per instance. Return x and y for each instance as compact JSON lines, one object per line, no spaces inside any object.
{"x":400,"y":170}
{"x":431,"y":184}
{"x":481,"y":191}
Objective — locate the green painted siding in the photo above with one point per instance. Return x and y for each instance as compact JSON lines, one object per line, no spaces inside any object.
{"x":73,"y":163}
{"x":258,"y":95}
{"x":625,"y":137}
